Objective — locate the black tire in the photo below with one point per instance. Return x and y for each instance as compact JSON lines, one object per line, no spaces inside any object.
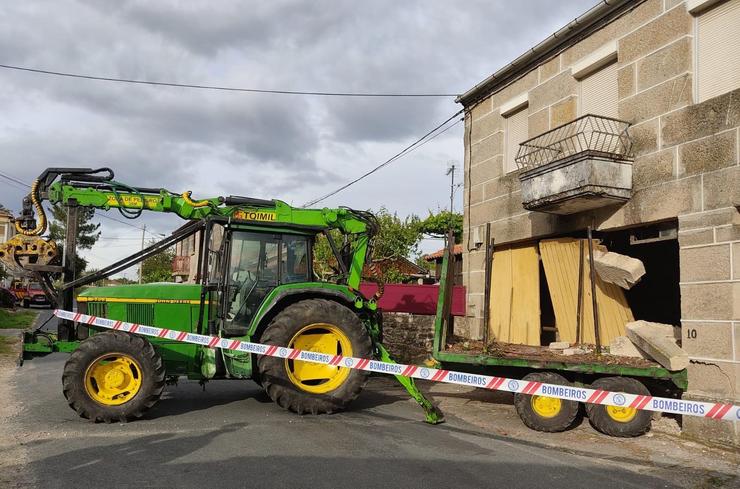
{"x":601,"y":420}
{"x":150,"y":369}
{"x":26,"y":304}
{"x":561,"y":420}
{"x":274,"y":375}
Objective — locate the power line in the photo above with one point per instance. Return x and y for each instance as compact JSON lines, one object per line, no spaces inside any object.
{"x":223,"y":88}
{"x":408,"y":149}
{"x":13,"y":184}
{"x":13,"y":179}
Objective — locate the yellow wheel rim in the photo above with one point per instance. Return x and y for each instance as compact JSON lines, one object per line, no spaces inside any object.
{"x":113,"y":379}
{"x":546,"y":407}
{"x":621,"y":414}
{"x":317,"y":378}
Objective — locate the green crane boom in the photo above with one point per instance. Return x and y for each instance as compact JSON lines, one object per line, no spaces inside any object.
{"x":84,"y":187}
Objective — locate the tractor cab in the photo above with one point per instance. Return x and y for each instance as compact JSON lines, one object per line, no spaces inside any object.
{"x":256,"y":264}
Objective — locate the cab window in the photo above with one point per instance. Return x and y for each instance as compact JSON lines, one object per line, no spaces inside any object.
{"x":294,"y":259}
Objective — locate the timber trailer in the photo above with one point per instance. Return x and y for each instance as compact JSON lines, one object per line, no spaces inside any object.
{"x":253,"y":282}
{"x":550,"y":414}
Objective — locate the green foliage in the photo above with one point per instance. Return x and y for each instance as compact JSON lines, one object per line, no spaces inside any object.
{"x":437,"y":225}
{"x":158,"y":268}
{"x":397,"y":238}
{"x":391,"y":275}
{"x":324,"y":263}
{"x":87,"y":232}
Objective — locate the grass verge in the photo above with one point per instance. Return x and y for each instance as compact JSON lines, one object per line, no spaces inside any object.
{"x":7,"y":344}
{"x":16,"y":319}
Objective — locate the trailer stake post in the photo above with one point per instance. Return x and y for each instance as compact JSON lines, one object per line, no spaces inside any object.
{"x":593,"y":290}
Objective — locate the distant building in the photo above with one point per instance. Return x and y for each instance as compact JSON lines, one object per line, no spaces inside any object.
{"x":435,"y":259}
{"x":408,"y":269}
{"x":7,"y":231}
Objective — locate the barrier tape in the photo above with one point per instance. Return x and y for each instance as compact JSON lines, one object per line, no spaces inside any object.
{"x":570,"y":393}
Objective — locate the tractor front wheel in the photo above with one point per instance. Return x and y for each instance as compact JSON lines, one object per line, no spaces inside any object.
{"x":321,"y":326}
{"x":113,"y":376}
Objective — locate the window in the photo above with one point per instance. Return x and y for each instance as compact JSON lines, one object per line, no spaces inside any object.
{"x":516,"y":133}
{"x":253,"y":272}
{"x":599,"y":95}
{"x":718,"y":50}
{"x":294,"y":260}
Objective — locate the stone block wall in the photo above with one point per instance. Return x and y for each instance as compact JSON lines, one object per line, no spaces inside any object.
{"x":686,"y":168}
{"x":408,"y":337}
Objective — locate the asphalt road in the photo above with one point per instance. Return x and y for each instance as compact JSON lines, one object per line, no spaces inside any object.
{"x":231,"y":435}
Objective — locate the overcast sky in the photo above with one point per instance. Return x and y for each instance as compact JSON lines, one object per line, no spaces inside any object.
{"x":294,"y":148}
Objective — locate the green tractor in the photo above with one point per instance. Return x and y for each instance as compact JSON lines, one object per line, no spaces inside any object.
{"x":251,"y":279}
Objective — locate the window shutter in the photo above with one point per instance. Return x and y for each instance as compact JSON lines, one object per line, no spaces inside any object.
{"x":516,"y":133}
{"x":718,"y":50}
{"x":599,"y":95}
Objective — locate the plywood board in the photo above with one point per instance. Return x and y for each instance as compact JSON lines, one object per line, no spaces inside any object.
{"x":560,"y":260}
{"x":515,"y":295}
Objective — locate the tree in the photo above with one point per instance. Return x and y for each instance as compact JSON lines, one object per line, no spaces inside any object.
{"x":397,"y":238}
{"x":324,"y":263}
{"x":158,"y":268}
{"x":437,"y":225}
{"x":87,"y":232}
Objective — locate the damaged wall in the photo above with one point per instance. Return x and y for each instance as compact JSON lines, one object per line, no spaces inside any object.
{"x":686,"y":168}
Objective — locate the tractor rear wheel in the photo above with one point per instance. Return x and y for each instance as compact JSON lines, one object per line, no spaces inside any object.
{"x":321,"y":326}
{"x":542,"y":413}
{"x":113,"y":376}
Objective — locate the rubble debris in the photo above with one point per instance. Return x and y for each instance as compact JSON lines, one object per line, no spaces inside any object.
{"x":658,"y":341}
{"x":621,"y":346}
{"x":575,"y":351}
{"x":559,"y":345}
{"x":621,"y":270}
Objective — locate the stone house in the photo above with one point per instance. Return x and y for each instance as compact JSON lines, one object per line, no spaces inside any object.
{"x":435,"y":260}
{"x":661,"y":80}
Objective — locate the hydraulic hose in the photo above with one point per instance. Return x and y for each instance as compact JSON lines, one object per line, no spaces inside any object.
{"x":186,"y":197}
{"x":41,"y":226}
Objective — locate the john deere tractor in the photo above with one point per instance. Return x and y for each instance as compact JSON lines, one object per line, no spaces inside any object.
{"x":251,"y":279}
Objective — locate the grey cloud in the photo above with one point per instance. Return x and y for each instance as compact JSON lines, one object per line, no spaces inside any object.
{"x":290,"y":147}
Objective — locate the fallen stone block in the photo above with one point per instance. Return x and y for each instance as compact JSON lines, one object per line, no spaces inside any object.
{"x":575,"y":351}
{"x":621,"y":346}
{"x":559,"y":345}
{"x":658,"y":342}
{"x":621,"y":270}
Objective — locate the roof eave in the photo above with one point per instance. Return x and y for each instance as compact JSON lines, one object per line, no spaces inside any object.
{"x":604,"y":11}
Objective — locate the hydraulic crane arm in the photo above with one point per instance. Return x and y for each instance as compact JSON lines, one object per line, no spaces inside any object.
{"x":96,"y":188}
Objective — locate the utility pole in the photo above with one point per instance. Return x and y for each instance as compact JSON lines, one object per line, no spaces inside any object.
{"x":141,"y":263}
{"x":451,"y":172}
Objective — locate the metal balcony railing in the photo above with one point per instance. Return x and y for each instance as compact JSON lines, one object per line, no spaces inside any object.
{"x":592,"y":134}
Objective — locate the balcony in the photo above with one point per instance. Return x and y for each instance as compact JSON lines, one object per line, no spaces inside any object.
{"x":583,"y":165}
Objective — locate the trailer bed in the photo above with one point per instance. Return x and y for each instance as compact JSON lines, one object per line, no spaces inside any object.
{"x":474,"y":353}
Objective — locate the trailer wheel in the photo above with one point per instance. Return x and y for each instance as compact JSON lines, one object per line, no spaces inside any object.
{"x":321,"y":326}
{"x":543,"y":413}
{"x":624,"y":422}
{"x":113,"y":376}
